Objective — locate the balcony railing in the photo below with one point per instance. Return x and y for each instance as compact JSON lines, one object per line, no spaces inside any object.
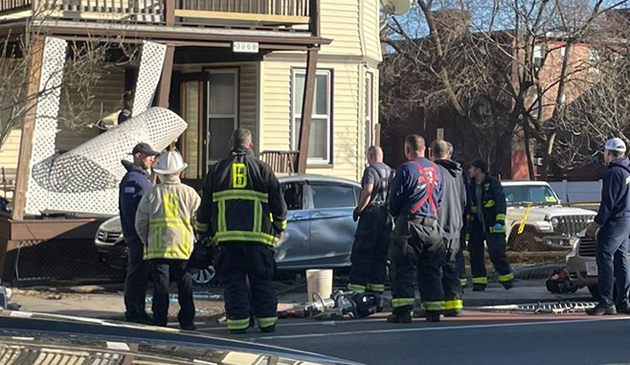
{"x":281,"y":162}
{"x":205,"y":12}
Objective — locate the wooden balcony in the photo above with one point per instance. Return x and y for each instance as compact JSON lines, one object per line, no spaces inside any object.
{"x":290,"y":15}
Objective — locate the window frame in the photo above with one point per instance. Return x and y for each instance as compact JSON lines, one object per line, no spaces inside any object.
{"x":369,"y":109}
{"x":235,"y":71}
{"x":312,"y":185}
{"x":294,"y":114}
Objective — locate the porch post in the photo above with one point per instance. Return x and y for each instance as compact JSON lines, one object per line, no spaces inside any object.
{"x":28,"y":127}
{"x":165,"y":80}
{"x":307,"y":109}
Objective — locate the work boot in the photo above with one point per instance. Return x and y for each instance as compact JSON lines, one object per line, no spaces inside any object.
{"x":453,"y":312}
{"x":238,"y":332}
{"x":419,"y":313}
{"x":602,"y":309}
{"x":623,"y":308}
{"x":479,"y":287}
{"x":188,"y":327}
{"x":404,"y":317}
{"x":269,"y":329}
{"x":433,"y":317}
{"x":508,"y":284}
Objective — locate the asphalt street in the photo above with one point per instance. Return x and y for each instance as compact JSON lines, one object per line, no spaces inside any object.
{"x":475,"y":338}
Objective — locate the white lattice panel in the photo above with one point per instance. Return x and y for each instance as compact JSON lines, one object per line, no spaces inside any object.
{"x":85,"y":179}
{"x":46,"y":124}
{"x":151,"y":63}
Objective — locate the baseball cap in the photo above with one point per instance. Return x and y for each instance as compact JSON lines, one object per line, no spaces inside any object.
{"x":615,"y":144}
{"x":145,"y":149}
{"x":480,"y":164}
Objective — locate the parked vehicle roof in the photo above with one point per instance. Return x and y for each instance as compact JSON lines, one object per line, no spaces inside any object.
{"x":524,"y":183}
{"x":314,"y":177}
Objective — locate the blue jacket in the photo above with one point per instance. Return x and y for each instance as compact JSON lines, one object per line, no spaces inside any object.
{"x":132,"y":187}
{"x":615,"y":193}
{"x":408,"y":189}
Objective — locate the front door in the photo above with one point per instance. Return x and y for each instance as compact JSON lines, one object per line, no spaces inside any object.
{"x":222,"y":115}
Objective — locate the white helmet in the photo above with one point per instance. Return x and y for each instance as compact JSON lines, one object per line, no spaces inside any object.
{"x":615,"y":144}
{"x":169,"y":163}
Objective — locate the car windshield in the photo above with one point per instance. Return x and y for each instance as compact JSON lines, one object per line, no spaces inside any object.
{"x":530,"y":194}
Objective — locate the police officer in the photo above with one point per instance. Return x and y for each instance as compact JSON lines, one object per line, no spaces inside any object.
{"x":371,"y":243}
{"x":164,"y":222}
{"x":451,"y":218}
{"x":417,"y":246}
{"x":133,"y":186}
{"x":613,"y":221}
{"x":244,"y":212}
{"x":487,"y":223}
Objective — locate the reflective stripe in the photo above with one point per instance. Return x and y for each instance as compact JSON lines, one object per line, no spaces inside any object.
{"x":201,"y":227}
{"x":258,"y":212}
{"x":266,"y":321}
{"x":433,"y":306}
{"x":507,"y":277}
{"x":240,"y":194}
{"x":473,"y":209}
{"x":356,"y":288}
{"x":284,"y":224}
{"x":403,"y":302}
{"x":481,"y":280}
{"x":454,"y":304}
{"x":246,"y":236}
{"x":377,"y":288}
{"x":463,"y":282}
{"x":238,"y":324}
{"x":467,"y":237}
{"x":502,"y":230}
{"x":239,"y":175}
{"x":489,"y":204}
{"x":501,"y":217}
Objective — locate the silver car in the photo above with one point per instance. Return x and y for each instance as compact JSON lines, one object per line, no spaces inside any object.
{"x":319,"y":234}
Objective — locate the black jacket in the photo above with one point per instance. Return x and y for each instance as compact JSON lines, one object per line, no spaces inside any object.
{"x":615,"y":192}
{"x":451,"y":212}
{"x":493,"y":204}
{"x":242,"y":202}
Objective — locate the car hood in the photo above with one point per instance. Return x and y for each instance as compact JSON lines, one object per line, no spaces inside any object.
{"x":542,"y":213}
{"x":80,"y":339}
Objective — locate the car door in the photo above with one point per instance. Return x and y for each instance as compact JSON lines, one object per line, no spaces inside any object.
{"x":332,"y":227}
{"x":293,"y":250}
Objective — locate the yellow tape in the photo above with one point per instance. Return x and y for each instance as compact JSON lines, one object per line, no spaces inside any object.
{"x":521,"y":227}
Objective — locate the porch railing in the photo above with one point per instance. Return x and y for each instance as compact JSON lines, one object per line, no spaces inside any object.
{"x":281,"y":162}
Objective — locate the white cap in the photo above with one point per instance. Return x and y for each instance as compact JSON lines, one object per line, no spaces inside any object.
{"x":169,"y":163}
{"x":615,"y":144}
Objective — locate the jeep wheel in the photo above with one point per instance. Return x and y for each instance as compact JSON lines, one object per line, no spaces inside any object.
{"x":205,"y":276}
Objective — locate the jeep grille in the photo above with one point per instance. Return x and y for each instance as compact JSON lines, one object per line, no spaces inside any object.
{"x":571,"y":225}
{"x":108,"y":237}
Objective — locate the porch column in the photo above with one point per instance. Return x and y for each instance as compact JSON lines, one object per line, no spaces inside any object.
{"x":307,"y":109}
{"x":28,"y":128}
{"x":165,"y":80}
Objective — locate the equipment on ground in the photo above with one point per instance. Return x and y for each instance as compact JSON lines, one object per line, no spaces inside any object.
{"x":340,"y":304}
{"x":559,"y":282}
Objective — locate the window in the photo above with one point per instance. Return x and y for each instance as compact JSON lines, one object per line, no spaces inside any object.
{"x":293,"y":196}
{"x":538,"y":56}
{"x":191,"y":146}
{"x":320,"y":145}
{"x":369,"y":110}
{"x":222,"y":111}
{"x":529,"y":194}
{"x":333,"y":196}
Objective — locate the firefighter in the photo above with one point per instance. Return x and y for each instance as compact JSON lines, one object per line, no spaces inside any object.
{"x":371,"y":243}
{"x":244,"y":212}
{"x":451,"y":218}
{"x":134,"y":185}
{"x":417,"y":246}
{"x":613,"y":222}
{"x":487,"y":223}
{"x":164,"y":222}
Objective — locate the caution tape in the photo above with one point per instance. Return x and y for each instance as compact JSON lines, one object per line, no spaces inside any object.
{"x":521,"y":227}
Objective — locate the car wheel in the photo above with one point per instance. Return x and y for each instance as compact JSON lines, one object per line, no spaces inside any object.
{"x":519,"y":242}
{"x":594,"y":290}
{"x":204,"y":276}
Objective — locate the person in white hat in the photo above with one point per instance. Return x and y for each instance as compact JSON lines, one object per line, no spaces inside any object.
{"x":164,"y":222}
{"x":612,"y":229}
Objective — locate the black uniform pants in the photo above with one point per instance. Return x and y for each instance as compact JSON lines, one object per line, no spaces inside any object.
{"x":369,"y":251}
{"x":163,"y":270}
{"x":450,"y":276}
{"x":461,"y":263}
{"x":137,"y":279}
{"x":612,"y":261}
{"x":496,"y":249}
{"x":237,"y":264}
{"x":417,"y":251}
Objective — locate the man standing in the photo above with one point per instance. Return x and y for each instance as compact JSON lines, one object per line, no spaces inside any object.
{"x":613,"y":221}
{"x":451,"y":218}
{"x":164,"y":222}
{"x":487,"y":223}
{"x":417,"y":245}
{"x":132,"y":187}
{"x":371,"y":243}
{"x":243,"y":210}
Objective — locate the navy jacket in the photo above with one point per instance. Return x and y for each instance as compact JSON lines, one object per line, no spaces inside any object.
{"x":132,"y":187}
{"x":615,"y":192}
{"x":408,"y":189}
{"x":452,"y":212}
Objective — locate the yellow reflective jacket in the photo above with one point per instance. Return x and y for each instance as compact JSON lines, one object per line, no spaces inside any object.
{"x":164,"y":220}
